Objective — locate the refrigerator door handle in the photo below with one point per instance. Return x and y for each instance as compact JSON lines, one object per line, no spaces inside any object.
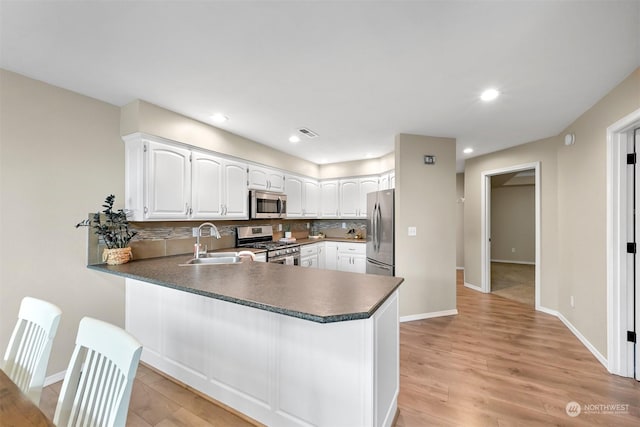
{"x":375,"y":227}
{"x":379,"y":225}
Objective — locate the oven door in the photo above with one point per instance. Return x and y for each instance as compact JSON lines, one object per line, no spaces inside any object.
{"x":289,"y":259}
{"x":268,"y":205}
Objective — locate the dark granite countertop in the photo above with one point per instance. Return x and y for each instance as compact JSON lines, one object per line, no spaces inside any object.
{"x":322,"y":296}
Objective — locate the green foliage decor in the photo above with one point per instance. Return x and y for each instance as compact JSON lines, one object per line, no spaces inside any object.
{"x":112,"y":226}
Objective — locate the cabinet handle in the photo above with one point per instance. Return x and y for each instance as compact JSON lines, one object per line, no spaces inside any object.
{"x":190,"y":211}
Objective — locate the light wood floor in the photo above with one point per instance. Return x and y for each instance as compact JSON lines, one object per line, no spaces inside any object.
{"x":497,"y":363}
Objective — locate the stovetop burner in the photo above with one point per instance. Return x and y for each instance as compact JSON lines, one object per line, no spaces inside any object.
{"x":260,"y":237}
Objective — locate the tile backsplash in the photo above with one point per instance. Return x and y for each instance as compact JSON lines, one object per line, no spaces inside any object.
{"x":157,"y":239}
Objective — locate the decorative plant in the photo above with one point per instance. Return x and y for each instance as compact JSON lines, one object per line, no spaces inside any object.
{"x":112,"y":226}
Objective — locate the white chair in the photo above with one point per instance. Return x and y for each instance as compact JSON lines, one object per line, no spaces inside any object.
{"x":27,"y":355}
{"x":97,"y":385}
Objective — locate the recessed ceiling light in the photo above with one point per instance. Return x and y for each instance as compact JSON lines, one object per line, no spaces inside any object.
{"x":219,"y":118}
{"x":294,"y":139}
{"x":467,"y":150}
{"x":489,"y":95}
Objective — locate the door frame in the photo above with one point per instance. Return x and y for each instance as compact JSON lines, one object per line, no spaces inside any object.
{"x":485,"y":228}
{"x":619,"y":355}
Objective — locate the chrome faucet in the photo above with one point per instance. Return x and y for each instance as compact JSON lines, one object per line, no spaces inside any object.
{"x":214,"y":233}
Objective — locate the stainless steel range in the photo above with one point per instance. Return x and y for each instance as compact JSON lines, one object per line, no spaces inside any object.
{"x":261,"y":237}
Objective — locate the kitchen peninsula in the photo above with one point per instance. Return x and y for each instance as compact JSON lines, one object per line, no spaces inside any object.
{"x":284,"y":345}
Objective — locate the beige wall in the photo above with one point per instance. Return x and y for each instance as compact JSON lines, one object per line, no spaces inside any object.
{"x":61,"y":154}
{"x":513,"y":223}
{"x":573,"y":223}
{"x":582,"y":205}
{"x":358,"y":167}
{"x":425,"y":199}
{"x":460,"y":220}
{"x":140,"y":116}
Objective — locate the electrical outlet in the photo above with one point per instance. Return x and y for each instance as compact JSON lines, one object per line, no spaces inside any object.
{"x":194,"y":232}
{"x":344,"y":225}
{"x":513,"y":250}
{"x":572,"y":302}
{"x":308,"y":226}
{"x":412,"y":231}
{"x":279,"y":227}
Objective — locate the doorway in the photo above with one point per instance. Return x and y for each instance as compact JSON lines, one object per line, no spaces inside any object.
{"x":512,"y":236}
{"x":623,"y":243}
{"x":485,"y":198}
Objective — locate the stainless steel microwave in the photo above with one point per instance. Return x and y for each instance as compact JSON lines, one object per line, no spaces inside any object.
{"x":265,"y":204}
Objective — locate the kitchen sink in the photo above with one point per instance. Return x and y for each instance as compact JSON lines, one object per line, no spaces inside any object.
{"x":215,"y":258}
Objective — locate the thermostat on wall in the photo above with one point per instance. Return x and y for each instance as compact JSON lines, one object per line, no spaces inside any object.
{"x":429,"y":159}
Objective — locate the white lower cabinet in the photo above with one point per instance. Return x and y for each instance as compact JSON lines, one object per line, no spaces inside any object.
{"x":276,"y":369}
{"x":331,"y":255}
{"x":352,"y":257}
{"x":261,"y":257}
{"x":309,"y":255}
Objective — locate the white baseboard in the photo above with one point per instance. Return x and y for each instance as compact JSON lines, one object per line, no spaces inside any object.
{"x":459,"y":268}
{"x":54,"y":378}
{"x":584,"y":340}
{"x":422,"y":316}
{"x":547,"y":310}
{"x":509,"y":261}
{"x":474,"y":287}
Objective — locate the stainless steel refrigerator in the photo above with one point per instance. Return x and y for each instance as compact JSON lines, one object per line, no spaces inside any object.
{"x":380,"y":233}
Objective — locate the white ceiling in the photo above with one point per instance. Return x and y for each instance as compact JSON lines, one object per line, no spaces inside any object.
{"x":355,"y":72}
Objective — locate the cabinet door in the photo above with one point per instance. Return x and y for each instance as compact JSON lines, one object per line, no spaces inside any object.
{"x":331,"y":256}
{"x":236,"y":198}
{"x":168,"y":182}
{"x":359,"y":264}
{"x":275,"y":181}
{"x":349,"y":198}
{"x":384,"y":181}
{"x":207,"y":190}
{"x":258,"y":178}
{"x":392,"y":179}
{"x":329,"y":199}
{"x":311,"y":193}
{"x":265,"y":179}
{"x":293,"y":189}
{"x":367,"y":185}
{"x":322,"y":258}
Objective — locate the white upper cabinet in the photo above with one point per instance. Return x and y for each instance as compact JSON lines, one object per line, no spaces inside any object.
{"x":219,"y":189}
{"x":236,"y":196}
{"x":353,"y":195}
{"x":168,"y":182}
{"x":349,"y":197}
{"x":302,"y":197}
{"x":311,"y":197}
{"x":329,"y":200}
{"x":388,"y":180}
{"x":261,"y":178}
{"x":164,"y":181}
{"x":207,"y":186}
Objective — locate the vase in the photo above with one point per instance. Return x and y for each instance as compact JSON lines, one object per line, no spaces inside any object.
{"x":117,"y":256}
